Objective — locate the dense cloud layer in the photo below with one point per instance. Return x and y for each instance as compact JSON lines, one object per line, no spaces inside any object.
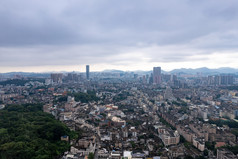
{"x":118,"y":33}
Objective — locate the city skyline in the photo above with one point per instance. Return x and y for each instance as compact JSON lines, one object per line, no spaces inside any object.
{"x":45,"y":36}
{"x":83,"y":69}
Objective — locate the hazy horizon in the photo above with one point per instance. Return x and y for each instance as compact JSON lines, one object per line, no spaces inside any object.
{"x":105,"y":70}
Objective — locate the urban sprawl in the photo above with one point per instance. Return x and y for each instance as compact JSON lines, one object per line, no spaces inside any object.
{"x":136,"y":115}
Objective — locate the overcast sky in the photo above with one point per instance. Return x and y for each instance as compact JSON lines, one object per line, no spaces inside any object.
{"x":65,"y":35}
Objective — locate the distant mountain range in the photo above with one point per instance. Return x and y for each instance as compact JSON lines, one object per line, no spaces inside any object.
{"x":204,"y":70}
{"x":113,"y":71}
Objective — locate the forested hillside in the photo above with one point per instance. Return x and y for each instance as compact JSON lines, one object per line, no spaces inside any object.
{"x":28,"y":133}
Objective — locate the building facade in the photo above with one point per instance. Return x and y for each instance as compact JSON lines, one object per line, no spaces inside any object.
{"x":157,"y":75}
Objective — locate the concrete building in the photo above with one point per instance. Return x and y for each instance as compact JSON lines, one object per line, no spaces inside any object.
{"x":87,"y":72}
{"x":169,"y":137}
{"x":157,"y":75}
{"x":225,"y":154}
{"x":56,"y":77}
{"x":199,"y":143}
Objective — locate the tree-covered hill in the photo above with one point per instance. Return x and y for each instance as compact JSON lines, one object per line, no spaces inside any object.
{"x":21,"y":82}
{"x":85,"y":97}
{"x":28,"y":133}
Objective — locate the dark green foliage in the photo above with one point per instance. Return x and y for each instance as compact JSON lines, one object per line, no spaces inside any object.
{"x":133,"y":145}
{"x":232,"y":87}
{"x":188,"y":98}
{"x":187,"y":145}
{"x":205,"y":152}
{"x":231,"y":124}
{"x":121,"y":96}
{"x":90,"y":155}
{"x":134,"y":122}
{"x":152,"y":101}
{"x":218,"y":96}
{"x":235,"y":132}
{"x":15,"y":82}
{"x":85,"y":97}
{"x":167,"y":124}
{"x":41,"y":87}
{"x":182,"y":110}
{"x":188,"y":157}
{"x":210,"y":145}
{"x":180,"y":103}
{"x":182,"y":139}
{"x":200,"y":157}
{"x":24,"y":108}
{"x":233,"y":149}
{"x":20,"y":82}
{"x":62,"y":99}
{"x":184,"y":104}
{"x":28,"y":133}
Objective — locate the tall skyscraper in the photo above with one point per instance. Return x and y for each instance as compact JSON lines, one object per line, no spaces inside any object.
{"x":87,"y":72}
{"x":157,"y":75}
{"x":57,"y":77}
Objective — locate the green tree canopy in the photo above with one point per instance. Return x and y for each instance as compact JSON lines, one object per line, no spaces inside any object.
{"x":28,"y":133}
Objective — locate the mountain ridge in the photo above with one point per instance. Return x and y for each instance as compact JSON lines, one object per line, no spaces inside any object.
{"x":204,"y":70}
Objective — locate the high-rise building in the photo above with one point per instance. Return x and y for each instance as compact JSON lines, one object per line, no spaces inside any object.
{"x":157,"y":75}
{"x":72,"y":77}
{"x":57,"y":77}
{"x":227,"y":79}
{"x":217,"y":80}
{"x":220,"y":80}
{"x":87,"y":72}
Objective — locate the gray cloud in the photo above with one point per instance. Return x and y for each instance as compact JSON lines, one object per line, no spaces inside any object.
{"x":59,"y":32}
